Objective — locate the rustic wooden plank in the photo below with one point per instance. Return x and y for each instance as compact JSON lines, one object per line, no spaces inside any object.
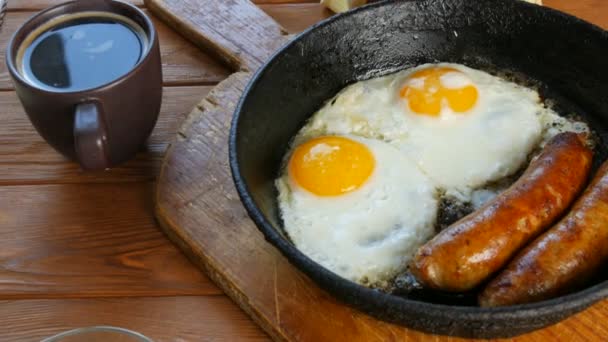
{"x":594,"y":11}
{"x":170,"y":319}
{"x":190,"y":205}
{"x":200,"y":211}
{"x":258,"y":2}
{"x":89,"y":241}
{"x":23,"y":150}
{"x":196,"y":196}
{"x":30,"y":5}
{"x":3,"y":6}
{"x":588,"y":324}
{"x":26,"y":159}
{"x":182,"y":62}
{"x":21,"y":5}
{"x":242,"y":40}
{"x":296,"y":17}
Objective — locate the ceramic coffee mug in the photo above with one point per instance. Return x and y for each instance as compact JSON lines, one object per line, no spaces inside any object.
{"x":93,"y":95}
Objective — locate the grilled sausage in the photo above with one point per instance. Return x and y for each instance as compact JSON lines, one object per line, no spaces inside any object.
{"x":469,"y":251}
{"x":563,"y":258}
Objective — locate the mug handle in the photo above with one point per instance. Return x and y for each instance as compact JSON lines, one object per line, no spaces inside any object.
{"x":90,"y":136}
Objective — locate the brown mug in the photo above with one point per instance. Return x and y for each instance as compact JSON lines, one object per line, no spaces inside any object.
{"x":104,"y":125}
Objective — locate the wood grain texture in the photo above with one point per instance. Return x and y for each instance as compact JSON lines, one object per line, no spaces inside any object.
{"x":41,"y":228}
{"x":242,"y":39}
{"x":2,"y":12}
{"x":20,"y":5}
{"x":297,"y":17}
{"x":88,"y":241}
{"x":200,"y":211}
{"x":169,"y":319}
{"x":594,"y":11}
{"x":165,"y":319}
{"x":25,"y":158}
{"x":183,"y":63}
{"x":22,"y":148}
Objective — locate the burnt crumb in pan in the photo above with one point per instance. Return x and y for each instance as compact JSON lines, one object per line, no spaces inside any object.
{"x":406,"y":285}
{"x":450,"y":211}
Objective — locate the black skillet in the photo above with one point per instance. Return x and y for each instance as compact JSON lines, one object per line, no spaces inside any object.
{"x":566,"y":58}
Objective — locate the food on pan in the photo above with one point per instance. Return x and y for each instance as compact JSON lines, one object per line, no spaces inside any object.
{"x":444,"y":140}
{"x":563,"y":258}
{"x":356,"y":205}
{"x":339,"y":6}
{"x":468,"y":252}
{"x":464,"y":128}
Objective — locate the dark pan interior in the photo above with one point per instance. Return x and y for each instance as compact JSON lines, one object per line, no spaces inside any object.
{"x":561,"y":55}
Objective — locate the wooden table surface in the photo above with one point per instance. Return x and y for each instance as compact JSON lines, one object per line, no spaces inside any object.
{"x":80,"y":249}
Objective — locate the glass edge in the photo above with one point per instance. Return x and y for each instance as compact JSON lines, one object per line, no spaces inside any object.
{"x":99,"y":328}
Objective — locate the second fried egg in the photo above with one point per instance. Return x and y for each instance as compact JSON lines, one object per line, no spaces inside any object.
{"x":462,"y":127}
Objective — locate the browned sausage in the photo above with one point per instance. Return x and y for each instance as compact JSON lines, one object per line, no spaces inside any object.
{"x":563,"y":258}
{"x":469,"y":251}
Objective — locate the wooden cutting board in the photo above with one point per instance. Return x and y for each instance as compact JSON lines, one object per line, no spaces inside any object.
{"x":200,"y":211}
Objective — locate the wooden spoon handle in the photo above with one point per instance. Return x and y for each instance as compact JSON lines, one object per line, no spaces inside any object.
{"x":236,"y":31}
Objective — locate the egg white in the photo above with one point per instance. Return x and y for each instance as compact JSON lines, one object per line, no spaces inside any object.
{"x":367,"y":235}
{"x":463,"y":151}
{"x":460,"y":152}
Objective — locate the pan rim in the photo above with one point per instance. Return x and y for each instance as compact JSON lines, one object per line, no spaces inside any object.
{"x":574,"y":301}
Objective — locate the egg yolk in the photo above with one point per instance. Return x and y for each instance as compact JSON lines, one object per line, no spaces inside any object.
{"x":426,"y":93}
{"x":331,"y":165}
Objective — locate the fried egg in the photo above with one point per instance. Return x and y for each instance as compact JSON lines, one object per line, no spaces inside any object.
{"x":463,"y":127}
{"x":362,"y":204}
{"x":357,"y":206}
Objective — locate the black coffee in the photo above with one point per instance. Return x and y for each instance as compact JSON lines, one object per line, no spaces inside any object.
{"x":82,"y":51}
